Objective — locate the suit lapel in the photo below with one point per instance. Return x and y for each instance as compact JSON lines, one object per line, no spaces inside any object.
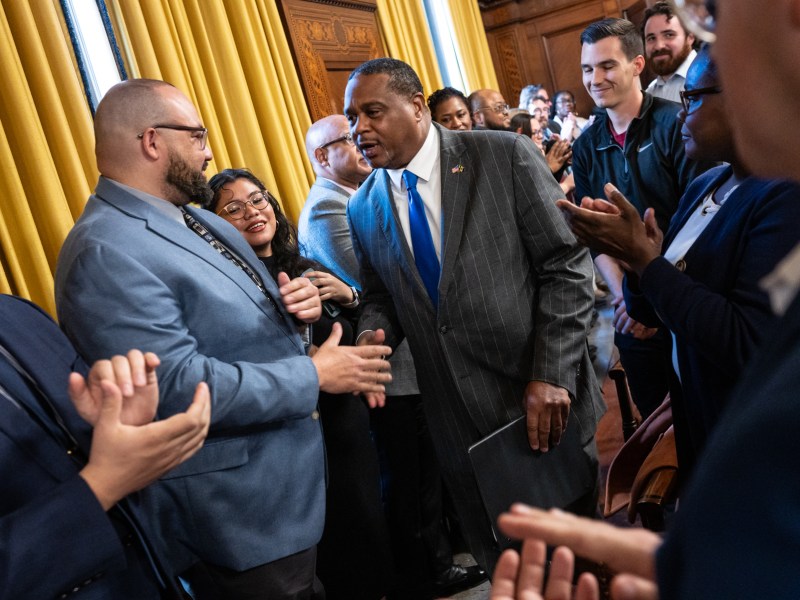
{"x":455,"y":197}
{"x":29,"y":437}
{"x":180,"y":235}
{"x":45,"y":353}
{"x":683,"y":214}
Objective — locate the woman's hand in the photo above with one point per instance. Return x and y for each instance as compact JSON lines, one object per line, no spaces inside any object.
{"x":331,"y":287}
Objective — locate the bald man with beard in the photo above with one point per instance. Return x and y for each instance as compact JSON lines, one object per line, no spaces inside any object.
{"x":489,"y":110}
{"x":142,"y":268}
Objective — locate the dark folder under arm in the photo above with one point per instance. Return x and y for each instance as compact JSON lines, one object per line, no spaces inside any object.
{"x":508,"y":471}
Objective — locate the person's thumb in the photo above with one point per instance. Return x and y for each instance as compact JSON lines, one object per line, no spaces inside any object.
{"x":616,"y":198}
{"x":632,"y":587}
{"x":334,"y":338}
{"x":111,"y":403}
{"x":283,"y":279}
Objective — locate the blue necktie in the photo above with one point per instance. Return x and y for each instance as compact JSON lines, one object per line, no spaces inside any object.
{"x":421,"y":240}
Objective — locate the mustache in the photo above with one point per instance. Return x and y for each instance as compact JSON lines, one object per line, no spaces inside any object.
{"x":661,"y":53}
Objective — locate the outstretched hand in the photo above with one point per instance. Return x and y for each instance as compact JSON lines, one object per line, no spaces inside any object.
{"x":373,"y":338}
{"x":349,"y":369}
{"x":521,"y":577}
{"x":629,"y":552}
{"x":615,"y":228}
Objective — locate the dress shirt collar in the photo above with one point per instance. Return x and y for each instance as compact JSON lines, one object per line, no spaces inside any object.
{"x":680,"y":71}
{"x":163,"y":206}
{"x":423,"y":163}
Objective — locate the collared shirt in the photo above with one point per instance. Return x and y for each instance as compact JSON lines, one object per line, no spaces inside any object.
{"x":671,"y":87}
{"x":425,"y":165}
{"x":350,"y":191}
{"x":164,"y":206}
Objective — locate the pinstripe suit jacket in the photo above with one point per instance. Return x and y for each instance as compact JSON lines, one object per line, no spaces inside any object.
{"x":324,"y":236}
{"x":515,"y":294}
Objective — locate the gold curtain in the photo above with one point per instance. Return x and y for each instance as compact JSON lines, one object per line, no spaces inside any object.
{"x":232,"y":58}
{"x":404,"y":27}
{"x":470,"y":35}
{"x":46,"y":146}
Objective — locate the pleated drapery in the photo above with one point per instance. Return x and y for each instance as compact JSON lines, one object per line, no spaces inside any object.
{"x":406,"y":36}
{"x":476,"y":61}
{"x":232,"y":59}
{"x":47,"y":166}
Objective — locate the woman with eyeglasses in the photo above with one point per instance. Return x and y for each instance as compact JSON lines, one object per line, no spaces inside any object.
{"x":734,"y":535}
{"x":702,"y":280}
{"x":353,"y":559}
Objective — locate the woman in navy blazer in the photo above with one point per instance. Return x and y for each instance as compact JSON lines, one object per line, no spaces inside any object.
{"x":702,"y":281}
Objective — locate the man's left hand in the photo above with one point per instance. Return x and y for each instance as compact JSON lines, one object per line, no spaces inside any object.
{"x":547,"y":406}
{"x":300,"y":298}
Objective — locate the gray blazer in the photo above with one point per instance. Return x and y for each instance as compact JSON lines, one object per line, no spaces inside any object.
{"x":130,"y":277}
{"x":515,"y":294}
{"x":324,"y":236}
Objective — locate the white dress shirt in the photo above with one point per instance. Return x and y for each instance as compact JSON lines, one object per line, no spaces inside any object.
{"x":671,"y":87}
{"x":426,"y":166}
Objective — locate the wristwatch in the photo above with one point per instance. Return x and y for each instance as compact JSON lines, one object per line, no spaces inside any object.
{"x":356,"y":298}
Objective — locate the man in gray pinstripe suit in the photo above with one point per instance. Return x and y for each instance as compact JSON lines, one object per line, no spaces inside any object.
{"x":507,"y":335}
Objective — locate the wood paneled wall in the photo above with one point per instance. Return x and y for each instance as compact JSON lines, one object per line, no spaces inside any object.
{"x":329,"y":39}
{"x":538,"y":41}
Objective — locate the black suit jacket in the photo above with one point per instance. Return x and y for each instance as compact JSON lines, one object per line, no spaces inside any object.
{"x":55,"y":537}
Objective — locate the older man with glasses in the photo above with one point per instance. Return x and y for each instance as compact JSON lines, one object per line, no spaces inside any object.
{"x":489,"y":110}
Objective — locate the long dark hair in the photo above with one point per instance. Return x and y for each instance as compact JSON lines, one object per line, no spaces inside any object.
{"x":285,"y":249}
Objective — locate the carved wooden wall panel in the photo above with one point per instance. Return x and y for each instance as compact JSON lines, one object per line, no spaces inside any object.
{"x":538,"y":41}
{"x":329,"y":39}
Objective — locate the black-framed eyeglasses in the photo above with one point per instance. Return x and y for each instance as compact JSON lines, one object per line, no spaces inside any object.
{"x":699,"y":18}
{"x":347,"y":137}
{"x":497,"y":108}
{"x":201,"y":133}
{"x":236,"y":208}
{"x":689,"y":97}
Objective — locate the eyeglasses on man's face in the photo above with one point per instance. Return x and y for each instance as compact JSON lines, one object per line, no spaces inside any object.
{"x":699,"y":18}
{"x":199,"y":134}
{"x":236,"y":209}
{"x":497,"y":108}
{"x":347,"y":137}
{"x":689,"y":98}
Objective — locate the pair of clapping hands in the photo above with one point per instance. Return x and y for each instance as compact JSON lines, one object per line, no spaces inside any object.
{"x":130,"y":450}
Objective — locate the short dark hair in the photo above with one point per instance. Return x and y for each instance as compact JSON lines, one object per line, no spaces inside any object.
{"x":522,"y":120}
{"x":629,"y":36}
{"x":439,"y":96}
{"x":660,"y":8}
{"x":403,"y":81}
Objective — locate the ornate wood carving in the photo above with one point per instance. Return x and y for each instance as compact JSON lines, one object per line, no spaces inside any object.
{"x":329,"y":39}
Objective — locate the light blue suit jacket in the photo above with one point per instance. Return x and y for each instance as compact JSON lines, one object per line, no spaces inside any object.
{"x":130,"y":277}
